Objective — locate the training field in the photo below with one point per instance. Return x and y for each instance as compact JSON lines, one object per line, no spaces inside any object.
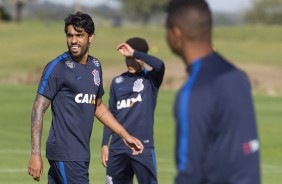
{"x":16,"y":103}
{"x":27,"y":47}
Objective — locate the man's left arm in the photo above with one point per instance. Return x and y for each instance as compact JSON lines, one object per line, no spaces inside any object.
{"x":106,"y":117}
{"x":154,"y":62}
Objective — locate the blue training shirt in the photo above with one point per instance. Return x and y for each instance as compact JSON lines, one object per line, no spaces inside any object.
{"x":73,"y":89}
{"x":216,"y":133}
{"x":133,"y":100}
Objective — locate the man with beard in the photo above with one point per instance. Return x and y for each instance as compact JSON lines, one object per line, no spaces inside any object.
{"x":72,"y":84}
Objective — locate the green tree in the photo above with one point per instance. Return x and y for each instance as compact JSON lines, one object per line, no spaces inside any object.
{"x":3,"y":14}
{"x":143,"y":9}
{"x":19,"y":4}
{"x":265,"y":12}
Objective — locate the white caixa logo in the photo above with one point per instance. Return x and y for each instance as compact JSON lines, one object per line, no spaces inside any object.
{"x":85,"y":98}
{"x":128,"y":102}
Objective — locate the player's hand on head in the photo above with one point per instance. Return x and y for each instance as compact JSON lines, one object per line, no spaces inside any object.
{"x":125,"y":50}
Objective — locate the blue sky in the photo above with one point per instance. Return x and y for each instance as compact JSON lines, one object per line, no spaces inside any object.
{"x":216,"y":5}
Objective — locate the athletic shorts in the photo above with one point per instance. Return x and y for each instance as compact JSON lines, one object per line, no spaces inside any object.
{"x":68,"y":172}
{"x":122,"y":166}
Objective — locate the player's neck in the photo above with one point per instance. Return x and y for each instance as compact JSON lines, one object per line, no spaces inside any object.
{"x":196,"y":51}
{"x":82,"y":60}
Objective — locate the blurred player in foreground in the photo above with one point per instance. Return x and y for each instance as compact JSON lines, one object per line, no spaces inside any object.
{"x":72,"y":84}
{"x":133,"y":98}
{"x":216,"y":133}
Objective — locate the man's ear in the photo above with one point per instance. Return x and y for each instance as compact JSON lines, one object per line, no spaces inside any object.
{"x":91,"y":38}
{"x":177,"y":35}
{"x":177,"y":31}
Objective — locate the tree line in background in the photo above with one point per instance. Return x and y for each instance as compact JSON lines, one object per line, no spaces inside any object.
{"x":18,"y":4}
{"x":263,"y":11}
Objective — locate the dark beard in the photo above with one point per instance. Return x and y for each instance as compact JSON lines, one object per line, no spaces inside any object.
{"x":78,"y":56}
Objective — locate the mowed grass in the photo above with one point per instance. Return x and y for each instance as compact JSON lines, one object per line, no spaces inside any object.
{"x":250,"y":44}
{"x":31,"y":45}
{"x":269,"y":116}
{"x":16,"y":103}
{"x":28,"y":46}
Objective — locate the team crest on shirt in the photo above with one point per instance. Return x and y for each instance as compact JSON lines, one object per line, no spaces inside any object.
{"x":138,"y":85}
{"x":119,"y":79}
{"x":70,"y":64}
{"x":96,"y":62}
{"x":96,"y":78}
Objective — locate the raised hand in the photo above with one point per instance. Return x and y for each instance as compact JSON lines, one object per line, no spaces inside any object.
{"x":125,"y":50}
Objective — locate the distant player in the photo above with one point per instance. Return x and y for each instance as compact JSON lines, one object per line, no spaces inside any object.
{"x":72,"y":84}
{"x":216,"y":137}
{"x":133,"y":98}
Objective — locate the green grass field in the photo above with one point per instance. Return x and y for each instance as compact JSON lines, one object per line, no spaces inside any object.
{"x":27,"y":47}
{"x":16,"y":103}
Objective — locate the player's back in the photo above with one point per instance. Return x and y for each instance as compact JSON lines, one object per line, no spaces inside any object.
{"x":221,"y":144}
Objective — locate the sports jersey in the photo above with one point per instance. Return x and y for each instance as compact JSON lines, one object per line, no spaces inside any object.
{"x":73,"y":89}
{"x":133,"y":100}
{"x":216,"y":138}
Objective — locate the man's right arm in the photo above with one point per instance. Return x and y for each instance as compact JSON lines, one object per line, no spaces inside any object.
{"x":105,"y":149}
{"x":107,"y":133}
{"x":41,"y":104}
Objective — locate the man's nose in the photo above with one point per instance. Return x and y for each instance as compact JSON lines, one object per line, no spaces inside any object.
{"x":73,"y":39}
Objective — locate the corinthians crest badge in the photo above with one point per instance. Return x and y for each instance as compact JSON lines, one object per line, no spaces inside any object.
{"x":96,"y":78}
{"x":70,"y":64}
{"x":138,"y":85}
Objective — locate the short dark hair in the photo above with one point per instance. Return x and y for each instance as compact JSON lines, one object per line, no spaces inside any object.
{"x":138,"y":44}
{"x":80,"y":20}
{"x":192,"y":16}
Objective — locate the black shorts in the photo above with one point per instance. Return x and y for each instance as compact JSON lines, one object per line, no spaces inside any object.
{"x":122,"y":166}
{"x":68,"y":172}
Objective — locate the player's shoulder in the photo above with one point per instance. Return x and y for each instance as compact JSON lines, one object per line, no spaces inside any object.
{"x":120,"y":78}
{"x":59,"y":61}
{"x":215,"y":65}
{"x":228,"y":70}
{"x":232,"y":79}
{"x":220,"y":71}
{"x":94,"y":60}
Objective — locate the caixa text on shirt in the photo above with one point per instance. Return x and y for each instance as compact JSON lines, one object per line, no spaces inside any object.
{"x":128,"y":102}
{"x":85,"y":98}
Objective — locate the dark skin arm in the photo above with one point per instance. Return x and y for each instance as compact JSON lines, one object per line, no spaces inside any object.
{"x":41,"y":104}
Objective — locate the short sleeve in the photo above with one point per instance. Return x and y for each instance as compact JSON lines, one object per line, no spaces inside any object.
{"x":51,"y":80}
{"x":101,"y":88}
